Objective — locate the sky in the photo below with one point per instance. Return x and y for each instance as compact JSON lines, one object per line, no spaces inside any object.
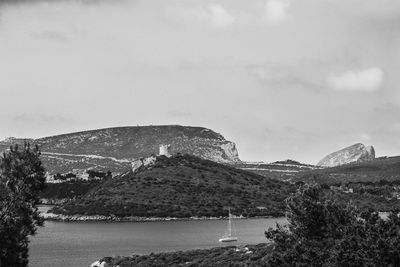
{"x":283,"y":79}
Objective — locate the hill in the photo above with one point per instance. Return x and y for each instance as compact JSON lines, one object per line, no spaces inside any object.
{"x":386,"y":168}
{"x":371,"y":184}
{"x":183,"y":186}
{"x":115,"y":148}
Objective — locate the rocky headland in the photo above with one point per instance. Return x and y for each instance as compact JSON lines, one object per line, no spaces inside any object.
{"x":352,"y":154}
{"x":115,"y":148}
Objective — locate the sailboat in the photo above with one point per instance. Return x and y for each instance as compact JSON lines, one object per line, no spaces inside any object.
{"x":228,"y":235}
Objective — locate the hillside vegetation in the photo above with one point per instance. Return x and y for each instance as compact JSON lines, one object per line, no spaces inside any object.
{"x":66,"y":190}
{"x":371,"y":184}
{"x":183,"y":186}
{"x":370,"y":171}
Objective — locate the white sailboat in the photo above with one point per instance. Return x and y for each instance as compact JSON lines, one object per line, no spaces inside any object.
{"x":228,"y":235}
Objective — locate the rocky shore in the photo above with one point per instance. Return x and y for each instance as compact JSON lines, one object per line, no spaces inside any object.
{"x":249,"y":255}
{"x":112,"y":218}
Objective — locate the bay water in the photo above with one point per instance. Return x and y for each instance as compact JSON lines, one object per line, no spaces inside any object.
{"x":78,"y":244}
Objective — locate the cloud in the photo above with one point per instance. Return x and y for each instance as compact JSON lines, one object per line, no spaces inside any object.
{"x":370,"y":9}
{"x":364,"y":137}
{"x":220,"y":17}
{"x":301,"y":75}
{"x":367,"y":80}
{"x":41,"y":119}
{"x":50,"y":1}
{"x":276,"y":11}
{"x":179,"y":113}
{"x":387,"y":109}
{"x":50,"y":35}
{"x":396,"y":127}
{"x":214,"y":15}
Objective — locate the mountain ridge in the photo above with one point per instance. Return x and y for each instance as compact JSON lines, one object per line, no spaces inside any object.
{"x":114,"y":148}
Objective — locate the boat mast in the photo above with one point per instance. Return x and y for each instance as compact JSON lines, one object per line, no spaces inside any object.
{"x":229,"y":223}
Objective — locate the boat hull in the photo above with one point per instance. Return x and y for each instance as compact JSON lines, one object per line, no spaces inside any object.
{"x":228,"y":239}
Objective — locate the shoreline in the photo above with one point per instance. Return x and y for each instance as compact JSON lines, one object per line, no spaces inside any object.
{"x":111,"y":218}
{"x":248,"y":255}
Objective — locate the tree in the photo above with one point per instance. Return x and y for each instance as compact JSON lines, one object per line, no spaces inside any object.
{"x":321,"y":232}
{"x":21,"y":179}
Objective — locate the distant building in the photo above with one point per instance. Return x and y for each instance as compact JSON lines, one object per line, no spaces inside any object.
{"x":165,"y":150}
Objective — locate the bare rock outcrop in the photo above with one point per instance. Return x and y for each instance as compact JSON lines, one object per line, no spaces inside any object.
{"x":355,"y":153}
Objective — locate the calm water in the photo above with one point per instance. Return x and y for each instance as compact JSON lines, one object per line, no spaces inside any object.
{"x":79,"y":244}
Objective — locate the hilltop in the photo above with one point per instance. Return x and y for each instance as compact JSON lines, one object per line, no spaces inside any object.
{"x":183,"y":186}
{"x":115,"y":148}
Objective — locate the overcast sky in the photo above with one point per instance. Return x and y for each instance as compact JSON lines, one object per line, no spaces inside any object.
{"x":281,"y":78}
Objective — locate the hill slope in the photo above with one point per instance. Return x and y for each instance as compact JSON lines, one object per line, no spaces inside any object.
{"x":387,"y":168}
{"x":281,"y":170}
{"x":183,"y":186}
{"x":114,"y":148}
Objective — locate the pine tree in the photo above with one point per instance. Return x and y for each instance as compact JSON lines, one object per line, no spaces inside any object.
{"x":21,"y":179}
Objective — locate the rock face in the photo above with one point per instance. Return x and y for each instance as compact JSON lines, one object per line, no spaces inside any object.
{"x":143,"y":162}
{"x":355,"y":153}
{"x":115,"y":148}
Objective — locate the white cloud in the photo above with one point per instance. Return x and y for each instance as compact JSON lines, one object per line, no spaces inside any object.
{"x":50,"y":35}
{"x":396,"y":126}
{"x":214,"y":15}
{"x":220,"y":17}
{"x":364,"y":137}
{"x":276,"y":11}
{"x":367,"y":80}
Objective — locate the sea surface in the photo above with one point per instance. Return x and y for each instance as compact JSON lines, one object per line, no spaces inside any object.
{"x":81,"y":243}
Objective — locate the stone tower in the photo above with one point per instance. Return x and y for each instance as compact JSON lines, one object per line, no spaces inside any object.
{"x":165,"y":150}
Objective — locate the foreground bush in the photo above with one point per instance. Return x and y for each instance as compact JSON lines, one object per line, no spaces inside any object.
{"x":322,"y":232}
